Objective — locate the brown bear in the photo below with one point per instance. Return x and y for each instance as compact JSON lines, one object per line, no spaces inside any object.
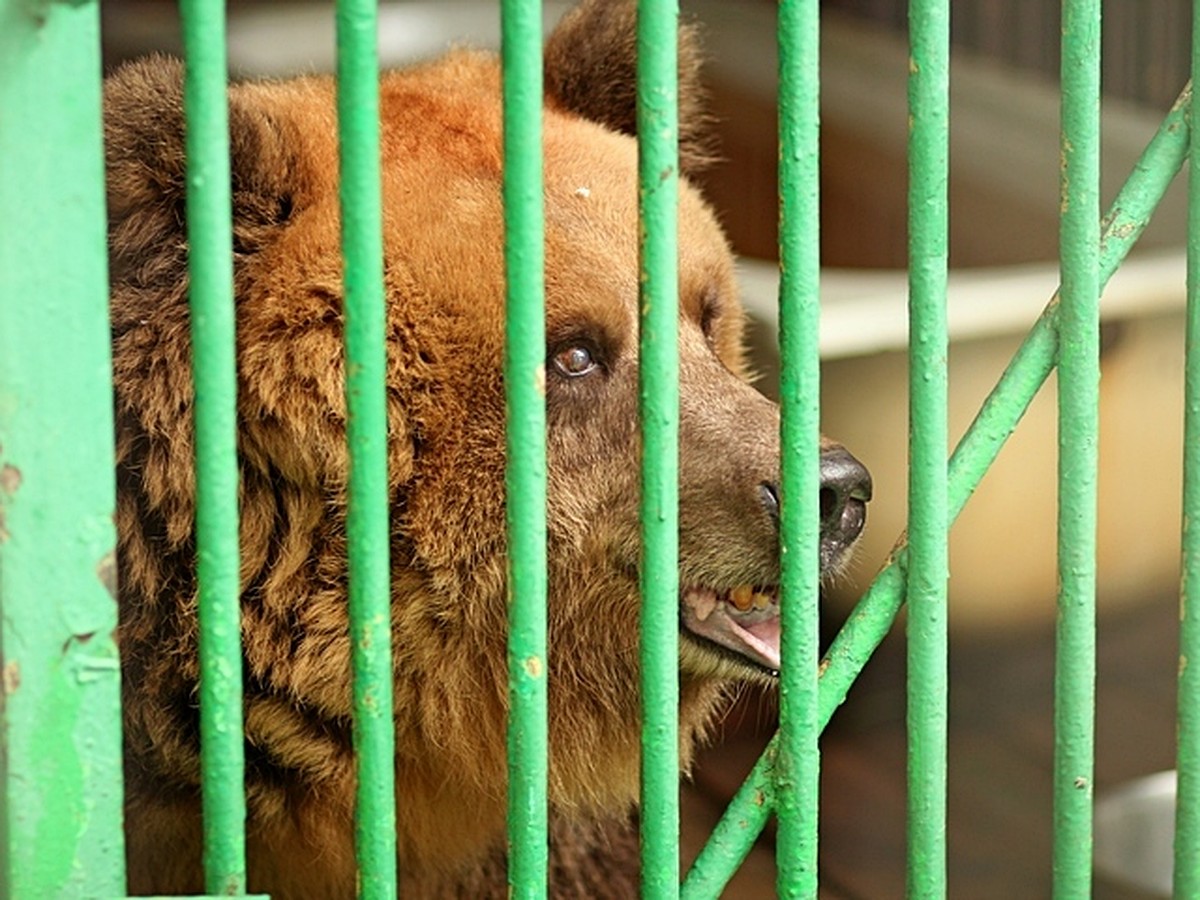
{"x":441,"y":141}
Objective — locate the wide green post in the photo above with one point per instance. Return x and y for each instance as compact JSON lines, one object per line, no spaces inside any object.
{"x":60,"y":735}
{"x":798,"y":760}
{"x":367,"y":525}
{"x":214,"y":367}
{"x":928,"y":514}
{"x":526,"y":429}
{"x":1078,"y":402}
{"x":1187,"y":808}
{"x":658,"y":193}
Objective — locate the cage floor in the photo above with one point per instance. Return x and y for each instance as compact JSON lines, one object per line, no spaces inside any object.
{"x":1000,"y":761}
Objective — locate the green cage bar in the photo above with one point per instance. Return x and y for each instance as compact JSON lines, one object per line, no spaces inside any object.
{"x":928,"y":517}
{"x":747,"y":814}
{"x":524,"y":377}
{"x":658,"y":191}
{"x":1078,"y":419}
{"x":367,"y":525}
{"x":60,"y":756}
{"x":1187,"y":808}
{"x":798,"y":760}
{"x":214,"y":368}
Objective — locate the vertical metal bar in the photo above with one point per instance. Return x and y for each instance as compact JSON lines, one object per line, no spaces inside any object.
{"x":367,"y":528}
{"x":1078,"y":399}
{"x":928,"y":513}
{"x":60,"y":734}
{"x":798,"y":760}
{"x":1187,"y":807}
{"x":210,"y":270}
{"x":658,"y":178}
{"x":526,"y":429}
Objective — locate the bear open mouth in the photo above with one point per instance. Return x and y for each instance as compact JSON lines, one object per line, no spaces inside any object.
{"x":743,"y":620}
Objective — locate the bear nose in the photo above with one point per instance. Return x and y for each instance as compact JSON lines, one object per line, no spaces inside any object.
{"x":845,"y":490}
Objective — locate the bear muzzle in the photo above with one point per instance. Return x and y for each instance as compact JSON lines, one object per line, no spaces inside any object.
{"x":744,"y":620}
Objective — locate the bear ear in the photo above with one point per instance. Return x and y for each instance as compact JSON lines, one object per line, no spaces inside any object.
{"x":145,"y":159}
{"x":591,"y":70}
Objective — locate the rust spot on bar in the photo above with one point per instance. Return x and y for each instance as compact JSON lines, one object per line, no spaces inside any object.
{"x":10,"y":479}
{"x":12,"y":677}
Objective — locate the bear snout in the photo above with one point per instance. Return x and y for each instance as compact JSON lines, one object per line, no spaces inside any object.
{"x":845,"y":491}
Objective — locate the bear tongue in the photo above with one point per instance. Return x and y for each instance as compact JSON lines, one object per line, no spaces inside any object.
{"x":756,"y":638}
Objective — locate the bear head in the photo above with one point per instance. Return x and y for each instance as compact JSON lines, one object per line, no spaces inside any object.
{"x":444,"y":279}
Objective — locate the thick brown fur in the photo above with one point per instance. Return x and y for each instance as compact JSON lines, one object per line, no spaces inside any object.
{"x":441,"y":136}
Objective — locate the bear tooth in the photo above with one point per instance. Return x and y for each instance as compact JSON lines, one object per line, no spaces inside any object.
{"x":704,"y":606}
{"x":742,"y":597}
{"x":761,"y":601}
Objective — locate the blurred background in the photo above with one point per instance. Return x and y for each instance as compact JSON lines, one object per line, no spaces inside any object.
{"x":1004,"y":245}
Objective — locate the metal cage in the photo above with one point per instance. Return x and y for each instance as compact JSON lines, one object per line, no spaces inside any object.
{"x":61,"y":745}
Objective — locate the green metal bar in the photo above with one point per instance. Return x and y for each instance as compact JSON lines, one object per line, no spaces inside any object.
{"x":60,"y":734}
{"x":367,"y":528}
{"x":1078,"y":427}
{"x":871,"y":620}
{"x":798,"y":761}
{"x":658,"y":192}
{"x":1187,"y":806}
{"x":210,"y":270}
{"x":928,"y":517}
{"x":526,"y":476}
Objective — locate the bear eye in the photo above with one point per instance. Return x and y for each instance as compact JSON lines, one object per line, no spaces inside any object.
{"x":575,"y":361}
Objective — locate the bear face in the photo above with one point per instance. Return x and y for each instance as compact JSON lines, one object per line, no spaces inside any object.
{"x":444,"y":281}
